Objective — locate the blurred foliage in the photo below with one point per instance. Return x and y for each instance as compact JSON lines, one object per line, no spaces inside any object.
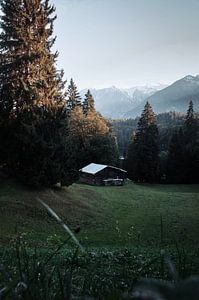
{"x":59,"y":272}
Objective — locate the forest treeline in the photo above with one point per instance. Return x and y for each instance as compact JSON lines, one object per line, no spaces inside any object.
{"x":47,"y":132}
{"x":167,"y":122}
{"x":165,"y":153}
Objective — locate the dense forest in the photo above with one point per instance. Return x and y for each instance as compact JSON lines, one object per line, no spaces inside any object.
{"x":164,"y":153}
{"x":48,"y":132}
{"x":166,"y":122}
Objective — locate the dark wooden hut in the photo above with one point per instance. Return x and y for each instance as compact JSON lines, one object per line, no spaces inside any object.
{"x":96,"y":174}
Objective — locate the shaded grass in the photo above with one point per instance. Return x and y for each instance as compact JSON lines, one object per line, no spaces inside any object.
{"x":108,"y":216}
{"x":143,"y":218}
{"x":137,"y":210}
{"x":30,"y":273}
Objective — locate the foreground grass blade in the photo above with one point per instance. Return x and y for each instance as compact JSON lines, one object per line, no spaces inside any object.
{"x":61,"y":222}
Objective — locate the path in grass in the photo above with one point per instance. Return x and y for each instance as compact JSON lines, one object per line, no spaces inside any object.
{"x":115,"y":216}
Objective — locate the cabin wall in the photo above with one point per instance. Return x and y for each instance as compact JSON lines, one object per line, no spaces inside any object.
{"x":87,"y":178}
{"x":97,"y":179}
{"x":111,"y":173}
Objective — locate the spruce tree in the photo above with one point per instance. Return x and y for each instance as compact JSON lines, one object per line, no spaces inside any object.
{"x":183,"y":156}
{"x":191,"y":124}
{"x":73,"y":97}
{"x":31,"y":91}
{"x":88,"y":104}
{"x":27,"y":66}
{"x":191,"y":145}
{"x":142,"y":158}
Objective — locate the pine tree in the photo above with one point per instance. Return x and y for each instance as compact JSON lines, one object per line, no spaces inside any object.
{"x":142,"y":158}
{"x":88,"y":104}
{"x":74,"y":99}
{"x":191,"y":124}
{"x":86,"y":123}
{"x":183,"y":156}
{"x":191,"y":145}
{"x":27,"y":67}
{"x":31,"y":93}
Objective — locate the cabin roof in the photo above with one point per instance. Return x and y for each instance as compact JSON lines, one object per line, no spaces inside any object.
{"x":95,"y":168}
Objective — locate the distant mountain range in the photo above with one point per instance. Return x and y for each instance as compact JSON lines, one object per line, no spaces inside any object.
{"x":112,"y":102}
{"x":128,"y":103}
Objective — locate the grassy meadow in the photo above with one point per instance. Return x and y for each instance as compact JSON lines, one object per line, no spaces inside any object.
{"x":123,"y":230}
{"x":131,"y":215}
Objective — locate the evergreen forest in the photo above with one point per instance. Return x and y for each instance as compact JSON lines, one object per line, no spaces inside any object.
{"x":47,"y":133}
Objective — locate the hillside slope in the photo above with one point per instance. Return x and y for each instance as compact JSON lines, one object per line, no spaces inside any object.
{"x":106,"y":215}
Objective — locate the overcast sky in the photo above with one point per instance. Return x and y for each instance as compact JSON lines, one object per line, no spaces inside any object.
{"x":127,"y":42}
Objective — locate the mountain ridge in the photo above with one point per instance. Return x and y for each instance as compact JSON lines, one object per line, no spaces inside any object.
{"x":113,"y":102}
{"x":118,"y":103}
{"x":175,"y":97}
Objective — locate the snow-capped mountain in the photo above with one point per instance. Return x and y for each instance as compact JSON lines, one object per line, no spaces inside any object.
{"x":145,"y":89}
{"x":114,"y":102}
{"x":118,"y":103}
{"x":172,"y":98}
{"x":111,"y":102}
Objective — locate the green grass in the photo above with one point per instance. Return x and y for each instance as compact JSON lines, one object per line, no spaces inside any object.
{"x":108,"y":216}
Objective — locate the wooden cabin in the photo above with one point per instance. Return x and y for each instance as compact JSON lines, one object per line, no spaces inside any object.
{"x":96,"y":174}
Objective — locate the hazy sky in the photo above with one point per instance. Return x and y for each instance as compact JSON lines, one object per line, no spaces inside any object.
{"x":127,"y":42}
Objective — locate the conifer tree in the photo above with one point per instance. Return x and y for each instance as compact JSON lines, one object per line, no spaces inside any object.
{"x":84,"y":121}
{"x":191,"y":124}
{"x":74,"y":99}
{"x":88,"y":104}
{"x":183,"y":156}
{"x":191,"y":145}
{"x":27,"y":66}
{"x":142,"y":158}
{"x":31,"y":92}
